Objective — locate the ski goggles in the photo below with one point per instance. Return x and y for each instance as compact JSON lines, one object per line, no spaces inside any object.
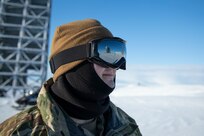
{"x":107,"y":52}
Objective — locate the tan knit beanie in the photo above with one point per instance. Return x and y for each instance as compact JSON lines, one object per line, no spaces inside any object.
{"x":74,"y":34}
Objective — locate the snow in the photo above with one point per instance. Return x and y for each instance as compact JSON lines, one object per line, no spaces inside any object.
{"x":166,"y":114}
{"x":164,"y":100}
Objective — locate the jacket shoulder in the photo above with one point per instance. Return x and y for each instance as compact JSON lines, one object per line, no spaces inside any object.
{"x":121,"y":115}
{"x":130,"y":126}
{"x":24,"y":123}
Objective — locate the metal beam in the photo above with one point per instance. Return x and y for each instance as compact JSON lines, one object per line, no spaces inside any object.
{"x":24,"y":28}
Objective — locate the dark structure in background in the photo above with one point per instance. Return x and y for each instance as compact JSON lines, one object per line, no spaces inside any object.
{"x":24,"y":30}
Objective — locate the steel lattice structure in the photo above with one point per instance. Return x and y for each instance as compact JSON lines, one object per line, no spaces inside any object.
{"x":24,"y":28}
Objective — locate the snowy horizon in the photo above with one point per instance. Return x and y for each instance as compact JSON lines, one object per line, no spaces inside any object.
{"x":164,"y":100}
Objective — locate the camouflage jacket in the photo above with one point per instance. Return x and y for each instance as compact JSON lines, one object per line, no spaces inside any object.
{"x":47,"y":119}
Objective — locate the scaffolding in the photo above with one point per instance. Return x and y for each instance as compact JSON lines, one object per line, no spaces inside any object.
{"x":24,"y":28}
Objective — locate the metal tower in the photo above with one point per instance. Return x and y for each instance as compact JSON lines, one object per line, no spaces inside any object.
{"x":24,"y":28}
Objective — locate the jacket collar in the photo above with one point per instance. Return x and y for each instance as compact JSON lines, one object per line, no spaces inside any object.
{"x":51,"y":113}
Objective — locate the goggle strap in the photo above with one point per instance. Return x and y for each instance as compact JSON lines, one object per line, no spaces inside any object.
{"x":72,"y":54}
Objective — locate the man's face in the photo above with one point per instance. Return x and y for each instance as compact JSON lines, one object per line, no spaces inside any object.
{"x":106,"y":74}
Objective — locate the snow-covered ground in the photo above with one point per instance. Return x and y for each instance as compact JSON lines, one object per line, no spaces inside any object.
{"x":164,"y":100}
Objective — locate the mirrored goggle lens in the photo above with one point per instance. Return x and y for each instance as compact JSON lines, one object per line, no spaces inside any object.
{"x":111,"y":51}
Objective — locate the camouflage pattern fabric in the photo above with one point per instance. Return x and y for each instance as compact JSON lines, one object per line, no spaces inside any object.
{"x":26,"y":123}
{"x":47,"y":119}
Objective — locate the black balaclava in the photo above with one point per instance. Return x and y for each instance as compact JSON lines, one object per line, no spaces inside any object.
{"x":81,"y":92}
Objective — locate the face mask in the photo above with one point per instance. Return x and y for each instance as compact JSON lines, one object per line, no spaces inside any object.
{"x":84,"y":91}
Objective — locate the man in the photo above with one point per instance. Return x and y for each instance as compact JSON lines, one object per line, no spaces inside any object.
{"x":75,"y":102}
